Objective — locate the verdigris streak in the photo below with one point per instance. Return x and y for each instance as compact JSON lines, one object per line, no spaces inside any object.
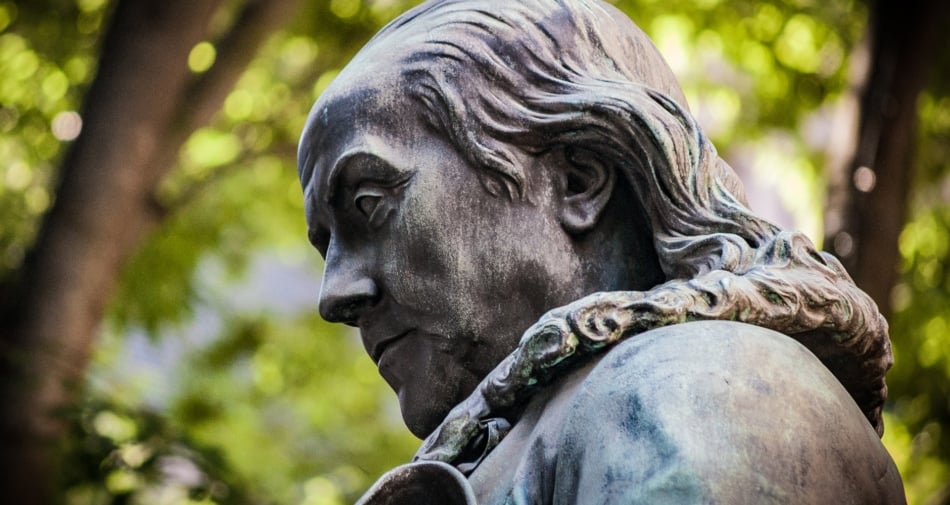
{"x":561,"y":280}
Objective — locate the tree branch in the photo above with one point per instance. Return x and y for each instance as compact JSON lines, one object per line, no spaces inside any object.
{"x":881,"y":166}
{"x":257,"y":20}
{"x":141,"y":107}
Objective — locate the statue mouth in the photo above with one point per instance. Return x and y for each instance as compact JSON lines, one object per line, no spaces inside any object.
{"x":378,"y":348}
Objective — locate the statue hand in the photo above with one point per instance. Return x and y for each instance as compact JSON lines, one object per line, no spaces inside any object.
{"x":461,"y":426}
{"x":564,"y":334}
{"x":592,"y":322}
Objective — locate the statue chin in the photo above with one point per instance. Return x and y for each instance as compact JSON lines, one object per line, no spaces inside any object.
{"x":421,"y":418}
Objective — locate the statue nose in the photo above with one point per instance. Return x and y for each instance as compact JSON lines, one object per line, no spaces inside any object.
{"x":345,"y":302}
{"x":346,"y":292}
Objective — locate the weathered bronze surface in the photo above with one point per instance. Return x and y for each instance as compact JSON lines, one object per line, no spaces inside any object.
{"x":560,"y":279}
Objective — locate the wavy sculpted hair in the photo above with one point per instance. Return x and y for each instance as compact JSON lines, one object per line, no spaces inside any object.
{"x":505,"y":80}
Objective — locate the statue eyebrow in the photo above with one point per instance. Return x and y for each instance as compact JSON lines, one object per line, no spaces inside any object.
{"x":380,"y":168}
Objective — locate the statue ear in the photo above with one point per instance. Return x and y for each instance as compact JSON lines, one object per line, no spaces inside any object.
{"x":586,"y":185}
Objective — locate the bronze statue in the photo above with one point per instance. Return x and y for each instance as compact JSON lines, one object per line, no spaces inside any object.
{"x":560,"y":279}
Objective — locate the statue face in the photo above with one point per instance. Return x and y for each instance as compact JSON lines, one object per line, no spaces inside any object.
{"x":440,"y":277}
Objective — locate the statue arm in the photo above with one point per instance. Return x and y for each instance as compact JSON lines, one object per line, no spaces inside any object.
{"x":678,"y":415}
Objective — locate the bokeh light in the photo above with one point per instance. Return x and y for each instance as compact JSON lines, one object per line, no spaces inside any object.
{"x":66,"y":125}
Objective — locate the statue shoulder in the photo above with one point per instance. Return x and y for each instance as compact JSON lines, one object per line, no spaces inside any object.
{"x":719,"y":412}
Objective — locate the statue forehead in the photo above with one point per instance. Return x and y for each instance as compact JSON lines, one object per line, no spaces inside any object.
{"x":365,"y":106}
{"x":444,"y":37}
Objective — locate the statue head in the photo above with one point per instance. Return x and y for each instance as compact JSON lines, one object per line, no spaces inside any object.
{"x":481,"y":162}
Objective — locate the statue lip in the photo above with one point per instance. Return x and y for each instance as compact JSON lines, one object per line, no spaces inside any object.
{"x":377,"y":349}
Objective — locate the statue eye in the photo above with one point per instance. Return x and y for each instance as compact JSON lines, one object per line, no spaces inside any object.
{"x":367,"y":204}
{"x":367,"y":200}
{"x":376,"y":201}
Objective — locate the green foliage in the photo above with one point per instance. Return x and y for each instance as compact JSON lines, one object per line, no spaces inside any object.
{"x":288,"y":408}
{"x":919,"y":427}
{"x":47,"y":59}
{"x":740,"y":61}
{"x":295,"y":403}
{"x":920,"y":380}
{"x":755,"y":75}
{"x":117,"y":454}
{"x":256,"y":203}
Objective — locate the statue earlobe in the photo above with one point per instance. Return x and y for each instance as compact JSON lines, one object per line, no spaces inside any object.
{"x":586,"y":185}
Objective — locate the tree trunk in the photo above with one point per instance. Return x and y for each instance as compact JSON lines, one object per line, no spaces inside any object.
{"x":141,"y":107}
{"x":868,"y":208}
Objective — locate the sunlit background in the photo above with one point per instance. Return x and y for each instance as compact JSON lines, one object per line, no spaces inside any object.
{"x":212,"y":378}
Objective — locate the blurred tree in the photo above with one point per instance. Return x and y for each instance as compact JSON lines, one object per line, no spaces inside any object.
{"x":900,"y":105}
{"x":868,"y":200}
{"x":149,"y":94}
